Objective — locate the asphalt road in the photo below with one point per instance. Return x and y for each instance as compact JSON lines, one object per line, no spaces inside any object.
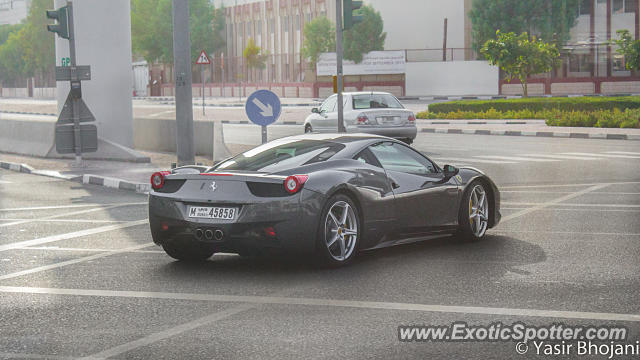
{"x":79,"y":276}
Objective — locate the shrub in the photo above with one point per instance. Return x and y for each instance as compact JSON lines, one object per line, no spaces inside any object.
{"x":538,"y":104}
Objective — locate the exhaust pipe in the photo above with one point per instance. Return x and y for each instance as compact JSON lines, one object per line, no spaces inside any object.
{"x":199,"y":234}
{"x":208,"y":234}
{"x":218,"y":234}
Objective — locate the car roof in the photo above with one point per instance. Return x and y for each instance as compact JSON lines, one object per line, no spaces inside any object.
{"x":339,"y":137}
{"x":367,"y":93}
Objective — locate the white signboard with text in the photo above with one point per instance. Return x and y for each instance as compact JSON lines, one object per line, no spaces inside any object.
{"x":373,"y":63}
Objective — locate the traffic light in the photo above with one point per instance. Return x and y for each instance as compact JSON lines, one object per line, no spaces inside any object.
{"x":62,"y":27}
{"x":348,"y":8}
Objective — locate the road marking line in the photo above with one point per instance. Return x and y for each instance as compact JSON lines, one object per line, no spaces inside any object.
{"x":569,"y":204}
{"x":67,"y":220}
{"x":5,"y":182}
{"x":161,"y":113}
{"x":71,"y":262}
{"x":10,"y":355}
{"x":60,"y":215}
{"x":603,"y":155}
{"x":70,"y":206}
{"x":566,"y":192}
{"x":474,"y":160}
{"x":564,"y":185}
{"x":622,"y":152}
{"x":514,"y":158}
{"x":276,"y":300}
{"x":553,"y":202}
{"x":574,"y":209}
{"x":71,"y":235}
{"x":55,"y":248}
{"x":171,"y":332}
{"x":567,"y":157}
{"x":566,"y":232}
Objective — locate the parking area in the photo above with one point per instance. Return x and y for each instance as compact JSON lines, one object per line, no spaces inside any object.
{"x":80,"y":276}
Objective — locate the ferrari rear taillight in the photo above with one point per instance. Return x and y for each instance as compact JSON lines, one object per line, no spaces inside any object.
{"x":157,"y":179}
{"x":363,"y":119}
{"x":412,"y":118}
{"x":294,"y":183}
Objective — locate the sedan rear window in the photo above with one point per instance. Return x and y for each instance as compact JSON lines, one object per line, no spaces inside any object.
{"x":281,"y":155}
{"x":376,"y":101}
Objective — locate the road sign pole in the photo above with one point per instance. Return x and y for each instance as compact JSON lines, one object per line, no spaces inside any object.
{"x":339,"y":61}
{"x":202,"y":77}
{"x":75,"y":106}
{"x":264,"y":134}
{"x":185,"y":147}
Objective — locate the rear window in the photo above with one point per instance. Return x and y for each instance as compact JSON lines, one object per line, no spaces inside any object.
{"x":281,"y":155}
{"x":375,"y":101}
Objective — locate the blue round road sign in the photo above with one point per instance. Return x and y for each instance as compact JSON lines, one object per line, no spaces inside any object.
{"x":263,"y":107}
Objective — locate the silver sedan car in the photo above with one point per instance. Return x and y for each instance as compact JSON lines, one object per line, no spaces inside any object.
{"x":377,"y":113}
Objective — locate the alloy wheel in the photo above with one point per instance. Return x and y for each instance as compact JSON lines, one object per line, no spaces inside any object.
{"x":341,"y":230}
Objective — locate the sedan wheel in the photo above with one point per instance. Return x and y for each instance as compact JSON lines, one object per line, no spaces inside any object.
{"x":474,"y":212}
{"x":308,"y":129}
{"x":339,"y":235}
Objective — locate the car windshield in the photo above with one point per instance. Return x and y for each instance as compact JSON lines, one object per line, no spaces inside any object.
{"x":281,"y":155}
{"x":375,"y":101}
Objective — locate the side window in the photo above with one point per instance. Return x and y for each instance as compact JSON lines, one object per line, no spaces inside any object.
{"x":397,"y":157}
{"x":367,"y":157}
{"x":328,"y":105}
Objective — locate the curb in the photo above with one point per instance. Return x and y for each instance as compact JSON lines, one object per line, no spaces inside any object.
{"x":499,"y":97}
{"x":109,"y":182}
{"x":572,"y":135}
{"x":25,"y":113}
{"x":115,"y":183}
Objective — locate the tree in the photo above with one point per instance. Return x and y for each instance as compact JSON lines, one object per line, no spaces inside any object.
{"x":365,"y":36}
{"x":319,"y":37}
{"x":253,"y":56}
{"x":520,"y":57}
{"x":629,"y":48}
{"x":11,"y":51}
{"x":152,"y":29}
{"x":549,"y":20}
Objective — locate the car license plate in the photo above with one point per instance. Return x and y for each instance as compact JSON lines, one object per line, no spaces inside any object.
{"x":212,"y":212}
{"x":388,"y":119}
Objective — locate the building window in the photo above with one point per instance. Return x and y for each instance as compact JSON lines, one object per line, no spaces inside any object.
{"x":272,"y":25}
{"x":618,"y":63}
{"x":630,"y":6}
{"x":308,"y":17}
{"x":584,"y":7}
{"x":297,"y":22}
{"x":286,"y":71}
{"x":618,"y":6}
{"x":285,"y":23}
{"x":580,"y":63}
{"x":248,"y":28}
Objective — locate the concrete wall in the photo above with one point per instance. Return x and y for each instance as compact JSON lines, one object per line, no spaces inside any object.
{"x":452,"y":78}
{"x":38,"y":93}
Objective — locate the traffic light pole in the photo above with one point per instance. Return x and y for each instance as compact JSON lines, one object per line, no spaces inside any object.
{"x":76,"y":95}
{"x":185,"y":147}
{"x":339,"y":54}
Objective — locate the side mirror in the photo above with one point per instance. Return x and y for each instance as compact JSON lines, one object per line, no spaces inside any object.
{"x":450,"y":171}
{"x":315,"y":111}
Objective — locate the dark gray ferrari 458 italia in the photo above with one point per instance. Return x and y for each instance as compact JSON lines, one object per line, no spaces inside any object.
{"x":328,"y":195}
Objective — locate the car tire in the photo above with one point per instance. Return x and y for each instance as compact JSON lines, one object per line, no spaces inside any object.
{"x":188,"y":251}
{"x":308,"y":129}
{"x":345,"y":242}
{"x":473,"y":224}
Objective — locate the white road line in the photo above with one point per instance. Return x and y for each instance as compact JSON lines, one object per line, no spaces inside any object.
{"x":10,"y":355}
{"x":70,"y":206}
{"x":553,"y":202}
{"x":474,"y":160}
{"x":71,"y":235}
{"x":61,"y":215}
{"x":565,"y":192}
{"x":67,"y":221}
{"x":622,"y":152}
{"x":565,"y":157}
{"x":564,"y":232}
{"x":564,"y":185}
{"x":514,"y":158}
{"x":171,"y":332}
{"x":574,"y":209}
{"x":5,"y":182}
{"x":275,"y":300}
{"x":603,"y":155}
{"x":55,"y":248}
{"x":162,"y":113}
{"x":570,"y":204}
{"x":71,"y":262}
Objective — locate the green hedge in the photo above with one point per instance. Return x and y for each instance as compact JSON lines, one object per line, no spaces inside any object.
{"x":539,"y":104}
